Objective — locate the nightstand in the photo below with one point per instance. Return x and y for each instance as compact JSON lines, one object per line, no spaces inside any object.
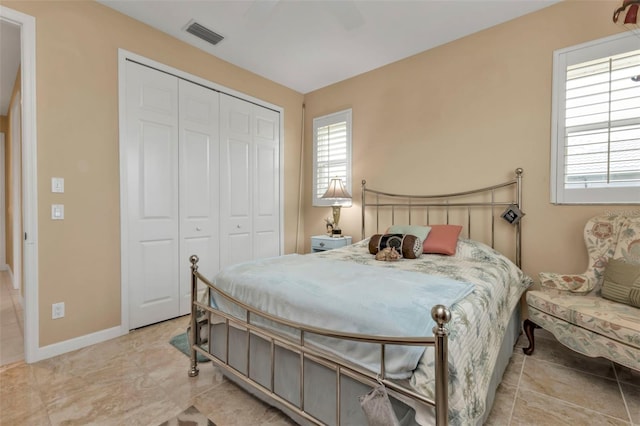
{"x":325,"y":242}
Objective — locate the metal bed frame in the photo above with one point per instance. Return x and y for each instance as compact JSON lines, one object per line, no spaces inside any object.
{"x":397,"y":204}
{"x":462,"y":202}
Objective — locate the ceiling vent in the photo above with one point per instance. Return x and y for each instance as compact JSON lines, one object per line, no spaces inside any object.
{"x":204,"y":33}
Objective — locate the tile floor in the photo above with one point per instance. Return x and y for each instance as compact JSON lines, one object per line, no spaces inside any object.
{"x":11,"y":326}
{"x":139,"y":379}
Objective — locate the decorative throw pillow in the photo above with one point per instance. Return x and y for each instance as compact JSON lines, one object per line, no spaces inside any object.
{"x":442,"y":239}
{"x":419,"y":231}
{"x":622,"y":282}
{"x":409,"y":246}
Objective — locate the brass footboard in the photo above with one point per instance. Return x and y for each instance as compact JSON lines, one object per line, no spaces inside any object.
{"x":439,"y":313}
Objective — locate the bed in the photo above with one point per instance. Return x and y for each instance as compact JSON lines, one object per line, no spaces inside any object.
{"x":437,"y":332}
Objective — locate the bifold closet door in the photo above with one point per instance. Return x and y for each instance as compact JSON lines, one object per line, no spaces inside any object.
{"x":199,"y":184}
{"x":152,"y":195}
{"x":173,"y":188}
{"x":249,"y":181}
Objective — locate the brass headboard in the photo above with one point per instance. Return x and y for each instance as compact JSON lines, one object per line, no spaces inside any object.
{"x":476,"y":210}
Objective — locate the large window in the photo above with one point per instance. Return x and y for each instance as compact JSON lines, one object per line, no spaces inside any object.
{"x":331,"y":154}
{"x":596,"y":122}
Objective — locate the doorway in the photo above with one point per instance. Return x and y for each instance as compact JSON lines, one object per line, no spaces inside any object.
{"x":26,"y":158}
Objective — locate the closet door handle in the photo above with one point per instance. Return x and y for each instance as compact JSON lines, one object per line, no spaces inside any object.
{"x":198,"y":228}
{"x":238,"y":226}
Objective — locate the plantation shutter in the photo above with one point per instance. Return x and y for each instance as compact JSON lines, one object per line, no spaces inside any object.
{"x":602,"y":123}
{"x":332,"y":153}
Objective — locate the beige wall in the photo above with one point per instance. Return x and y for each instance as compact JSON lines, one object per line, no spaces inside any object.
{"x":464,"y":115}
{"x":77,"y":111}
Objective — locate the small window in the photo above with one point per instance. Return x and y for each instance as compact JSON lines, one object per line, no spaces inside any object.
{"x":596,"y":122}
{"x":331,"y":154}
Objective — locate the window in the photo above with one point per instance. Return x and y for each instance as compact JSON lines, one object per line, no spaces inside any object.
{"x":596,"y":122}
{"x":331,"y":154}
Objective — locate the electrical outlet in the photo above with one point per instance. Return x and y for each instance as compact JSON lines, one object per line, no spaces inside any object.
{"x":57,"y":310}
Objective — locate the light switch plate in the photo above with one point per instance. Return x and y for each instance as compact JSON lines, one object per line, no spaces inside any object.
{"x":57,"y":310}
{"x":57,"y":211}
{"x":57,"y":184}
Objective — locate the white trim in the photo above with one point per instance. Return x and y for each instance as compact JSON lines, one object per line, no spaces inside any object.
{"x":3,"y":215}
{"x":123,"y":56}
{"x":16,"y":196}
{"x":281,"y":170}
{"x":79,"y":342}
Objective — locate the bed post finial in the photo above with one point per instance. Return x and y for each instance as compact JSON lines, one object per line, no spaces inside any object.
{"x":519,"y":171}
{"x":194,"y":262}
{"x":441,"y":315}
{"x":193,"y":332}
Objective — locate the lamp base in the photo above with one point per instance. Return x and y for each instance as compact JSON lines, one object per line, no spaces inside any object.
{"x":336,"y":217}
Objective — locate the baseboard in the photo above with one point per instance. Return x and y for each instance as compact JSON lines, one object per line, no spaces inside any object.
{"x":78,"y":343}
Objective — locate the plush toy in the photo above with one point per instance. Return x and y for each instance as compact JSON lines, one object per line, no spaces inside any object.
{"x":388,"y":254}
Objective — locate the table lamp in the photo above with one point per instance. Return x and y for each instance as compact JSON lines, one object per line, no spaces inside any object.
{"x":338,"y":193}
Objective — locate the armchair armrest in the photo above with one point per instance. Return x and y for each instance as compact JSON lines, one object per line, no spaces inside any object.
{"x":578,"y":285}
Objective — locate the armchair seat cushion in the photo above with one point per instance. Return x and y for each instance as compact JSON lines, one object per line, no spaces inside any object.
{"x":607,"y":318}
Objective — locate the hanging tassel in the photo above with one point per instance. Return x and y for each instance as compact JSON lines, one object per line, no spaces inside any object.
{"x":377,"y":407}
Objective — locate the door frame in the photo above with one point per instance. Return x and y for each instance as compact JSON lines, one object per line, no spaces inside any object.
{"x":16,"y":196}
{"x":27,"y":25}
{"x":3,"y":214}
{"x":123,"y":56}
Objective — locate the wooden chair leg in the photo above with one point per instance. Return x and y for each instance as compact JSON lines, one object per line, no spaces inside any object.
{"x":529,"y":326}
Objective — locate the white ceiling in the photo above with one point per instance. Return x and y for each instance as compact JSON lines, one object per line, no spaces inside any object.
{"x":9,"y":62}
{"x":307,"y":44}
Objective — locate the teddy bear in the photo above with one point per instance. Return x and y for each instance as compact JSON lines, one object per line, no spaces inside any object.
{"x":388,"y":254}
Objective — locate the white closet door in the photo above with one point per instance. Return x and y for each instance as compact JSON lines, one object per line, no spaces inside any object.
{"x":152,"y":182}
{"x":249,"y":194}
{"x":199,"y":184}
{"x":266,"y":182}
{"x":236,"y":228}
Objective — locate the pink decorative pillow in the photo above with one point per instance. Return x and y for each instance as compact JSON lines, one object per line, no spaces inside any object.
{"x":442,"y":239}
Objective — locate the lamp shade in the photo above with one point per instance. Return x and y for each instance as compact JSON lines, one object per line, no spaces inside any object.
{"x":336,"y":190}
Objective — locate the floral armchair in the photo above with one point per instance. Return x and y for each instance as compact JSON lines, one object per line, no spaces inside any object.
{"x":572,"y":307}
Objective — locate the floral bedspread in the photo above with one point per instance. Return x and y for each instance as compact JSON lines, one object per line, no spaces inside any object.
{"x":478,"y":321}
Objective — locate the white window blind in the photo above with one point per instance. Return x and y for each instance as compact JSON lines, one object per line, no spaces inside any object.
{"x":331,"y":154}
{"x":597,"y":124}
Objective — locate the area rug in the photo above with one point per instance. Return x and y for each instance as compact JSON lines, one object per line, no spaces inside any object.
{"x":181,"y":342}
{"x":189,"y":417}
